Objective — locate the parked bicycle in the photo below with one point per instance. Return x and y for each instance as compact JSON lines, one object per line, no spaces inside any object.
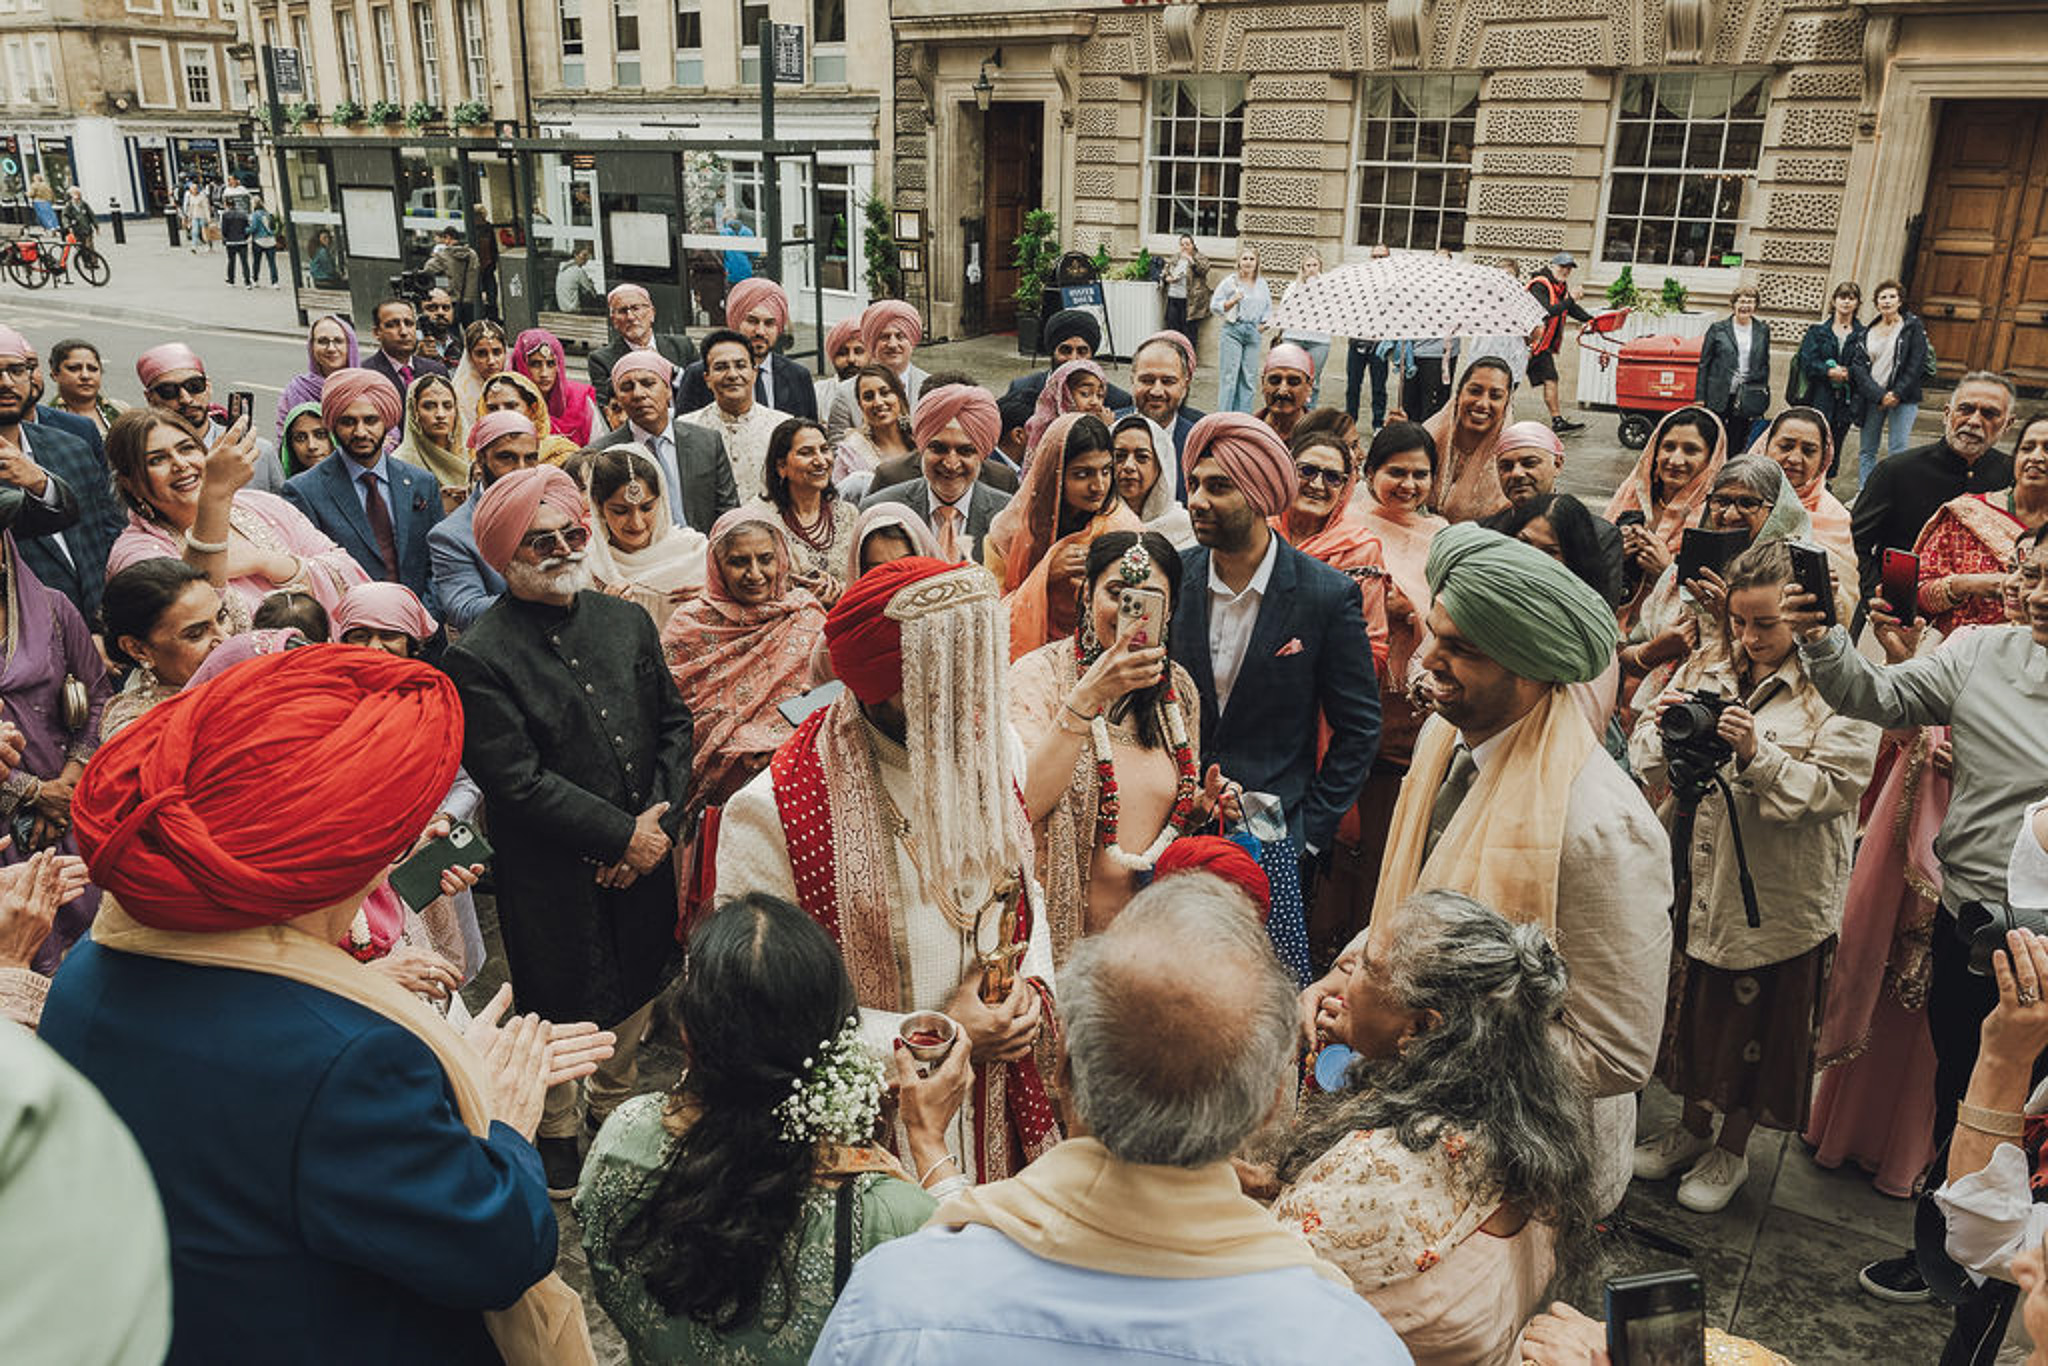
{"x":32,"y":261}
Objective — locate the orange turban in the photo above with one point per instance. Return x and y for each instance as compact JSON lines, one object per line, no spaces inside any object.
{"x":1224,"y":858}
{"x":505,"y":512}
{"x":346,"y":387}
{"x":199,"y":815}
{"x":1249,"y":453}
{"x":865,"y":643}
{"x":970,"y":405}
{"x":881,"y":313}
{"x":756,"y":292}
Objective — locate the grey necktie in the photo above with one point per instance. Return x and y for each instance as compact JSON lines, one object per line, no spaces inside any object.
{"x":1457,"y":782}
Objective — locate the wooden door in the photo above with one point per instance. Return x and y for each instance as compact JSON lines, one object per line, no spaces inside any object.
{"x":1981,"y":281}
{"x":1013,"y":179}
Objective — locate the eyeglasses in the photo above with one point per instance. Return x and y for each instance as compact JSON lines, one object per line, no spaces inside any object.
{"x":1726,"y":503}
{"x":16,"y":373}
{"x":572,"y":537}
{"x":1316,"y":474}
{"x":631,"y":310}
{"x":1965,"y":408}
{"x":169,"y":390}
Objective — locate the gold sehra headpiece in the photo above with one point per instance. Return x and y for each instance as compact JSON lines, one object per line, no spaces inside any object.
{"x":954,"y":588}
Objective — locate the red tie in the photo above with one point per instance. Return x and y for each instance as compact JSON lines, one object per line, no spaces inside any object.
{"x":380,"y":525}
{"x":405,"y":377}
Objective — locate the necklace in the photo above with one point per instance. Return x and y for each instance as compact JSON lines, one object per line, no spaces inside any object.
{"x":1107,"y":803}
{"x":818,"y":534}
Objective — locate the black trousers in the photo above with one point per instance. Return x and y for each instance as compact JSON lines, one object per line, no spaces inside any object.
{"x":1957,"y":1002}
{"x":1362,"y":358}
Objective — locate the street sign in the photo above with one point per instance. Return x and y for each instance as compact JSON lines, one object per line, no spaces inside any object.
{"x":287,"y":73}
{"x":789,"y":54}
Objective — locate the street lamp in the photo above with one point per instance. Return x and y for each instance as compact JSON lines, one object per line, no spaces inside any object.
{"x":983,"y":86}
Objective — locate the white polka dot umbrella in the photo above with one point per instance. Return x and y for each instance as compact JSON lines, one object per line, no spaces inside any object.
{"x":1411,"y":297}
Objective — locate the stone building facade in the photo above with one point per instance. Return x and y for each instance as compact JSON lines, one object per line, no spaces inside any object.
{"x":1818,"y":163}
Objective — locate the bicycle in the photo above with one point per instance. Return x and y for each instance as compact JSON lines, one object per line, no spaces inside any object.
{"x":92,"y":267}
{"x":18,"y":258}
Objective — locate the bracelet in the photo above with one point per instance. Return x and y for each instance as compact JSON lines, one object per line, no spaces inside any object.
{"x":204,"y":547}
{"x":1078,"y":712}
{"x":1996,"y":1123}
{"x":1066,"y":727}
{"x":925,"y":1175}
{"x":950,"y":1187}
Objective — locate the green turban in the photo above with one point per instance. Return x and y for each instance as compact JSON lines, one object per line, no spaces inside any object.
{"x":1524,"y":610}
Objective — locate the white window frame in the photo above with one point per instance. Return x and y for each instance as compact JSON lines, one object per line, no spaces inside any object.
{"x":351,"y":57}
{"x":626,"y":71}
{"x":6,"y":6}
{"x":476,"y":72}
{"x":828,"y":57}
{"x":427,"y":45}
{"x":385,"y":29}
{"x":1705,"y":274}
{"x":186,"y":51}
{"x":1362,"y":166}
{"x":568,"y":13}
{"x":689,"y":61}
{"x":750,"y":44}
{"x":136,"y":49}
{"x":190,"y":9}
{"x":229,"y":9}
{"x":31,"y":6}
{"x":20,"y":85}
{"x":43,"y":68}
{"x":302,"y":38}
{"x":145,"y":6}
{"x":1148,"y":207}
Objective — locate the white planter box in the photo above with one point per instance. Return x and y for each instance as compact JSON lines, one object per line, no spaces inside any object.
{"x":1137,"y":309}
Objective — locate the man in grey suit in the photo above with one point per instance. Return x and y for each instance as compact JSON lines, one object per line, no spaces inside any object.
{"x":692,"y":458}
{"x":631,"y":309}
{"x":955,"y":428}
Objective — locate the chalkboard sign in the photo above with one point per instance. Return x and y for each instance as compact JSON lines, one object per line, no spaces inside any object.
{"x":789,"y":54}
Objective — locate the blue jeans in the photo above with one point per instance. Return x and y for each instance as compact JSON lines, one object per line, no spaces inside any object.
{"x":1237,"y":387}
{"x":1319,"y":352}
{"x":1891,"y":426}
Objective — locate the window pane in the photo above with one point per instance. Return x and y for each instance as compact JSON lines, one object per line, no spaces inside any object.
{"x":1632,"y":144}
{"x":1745,"y":141}
{"x":1453,"y":232}
{"x":1703,"y":146}
{"x":1667,"y":145}
{"x":1635,"y":97}
{"x":1660,"y":196}
{"x":1627,"y":195}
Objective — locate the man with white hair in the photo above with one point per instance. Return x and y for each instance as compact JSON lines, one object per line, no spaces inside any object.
{"x":1131,"y":1241}
{"x":893,"y":817}
{"x":631,"y":311}
{"x":577,"y":736}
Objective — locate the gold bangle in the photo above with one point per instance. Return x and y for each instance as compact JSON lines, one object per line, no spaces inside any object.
{"x":1996,"y":1123}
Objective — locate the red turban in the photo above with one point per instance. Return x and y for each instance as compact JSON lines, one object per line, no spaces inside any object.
{"x":1249,"y":453}
{"x":880,"y":314}
{"x":1224,"y":858}
{"x":280,"y":789}
{"x":345,"y":388}
{"x":383,"y":607}
{"x":505,"y":512}
{"x":171,"y":358}
{"x":844,"y":331}
{"x":498,"y":424}
{"x":865,"y":643}
{"x":970,"y":405}
{"x":756,"y":292}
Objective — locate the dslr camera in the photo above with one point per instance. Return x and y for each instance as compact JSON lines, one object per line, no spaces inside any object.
{"x":1693,"y":747}
{"x":1984,"y":925}
{"x":413,"y":286}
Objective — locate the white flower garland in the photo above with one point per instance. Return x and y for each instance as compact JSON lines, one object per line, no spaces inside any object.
{"x":839,"y":1095}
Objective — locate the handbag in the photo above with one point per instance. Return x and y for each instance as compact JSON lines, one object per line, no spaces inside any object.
{"x":1753,"y":400}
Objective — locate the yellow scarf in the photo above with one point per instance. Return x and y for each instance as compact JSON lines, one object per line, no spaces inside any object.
{"x":1079,"y":1206}
{"x":546,"y":1327}
{"x":1503,"y":844}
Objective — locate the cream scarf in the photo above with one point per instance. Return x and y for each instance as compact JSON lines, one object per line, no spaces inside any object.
{"x":546,"y":1327}
{"x":1079,"y":1206}
{"x":1503,"y":844}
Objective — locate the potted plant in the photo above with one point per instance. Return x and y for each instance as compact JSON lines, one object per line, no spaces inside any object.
{"x":1674,"y":296}
{"x":421,"y":114}
{"x":878,"y":247}
{"x":386,"y":111}
{"x":471,"y":114}
{"x":1036,"y":255}
{"x":1131,"y":298}
{"x":348,"y":111}
{"x":298,"y":114}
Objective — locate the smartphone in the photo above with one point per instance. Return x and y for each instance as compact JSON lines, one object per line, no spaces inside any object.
{"x":418,"y":880}
{"x":241,"y":403}
{"x":1899,"y":577}
{"x":1631,"y":572}
{"x":1141,"y":617}
{"x":1658,"y":1319}
{"x":1810,"y":571}
{"x":796,"y":709}
{"x":1632,"y":517}
{"x":1708,"y":548}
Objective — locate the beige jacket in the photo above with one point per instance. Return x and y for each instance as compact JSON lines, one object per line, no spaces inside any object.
{"x":1796,"y":802}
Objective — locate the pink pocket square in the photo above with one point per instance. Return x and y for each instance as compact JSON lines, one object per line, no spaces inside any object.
{"x":1292,"y":647}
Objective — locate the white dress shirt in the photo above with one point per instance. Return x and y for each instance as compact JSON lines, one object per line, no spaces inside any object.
{"x":1231,"y":618}
{"x":663,"y":447}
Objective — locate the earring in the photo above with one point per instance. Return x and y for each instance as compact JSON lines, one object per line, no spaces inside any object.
{"x":149,"y":678}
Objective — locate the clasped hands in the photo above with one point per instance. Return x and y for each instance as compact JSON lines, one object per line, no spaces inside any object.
{"x":644,"y":852}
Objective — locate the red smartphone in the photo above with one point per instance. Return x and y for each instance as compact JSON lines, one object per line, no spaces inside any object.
{"x":1899,"y":580}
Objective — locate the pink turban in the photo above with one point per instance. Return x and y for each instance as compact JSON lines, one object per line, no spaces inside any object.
{"x":1529,"y":436}
{"x":752,"y":293}
{"x":383,"y":607}
{"x":650,"y":360}
{"x":168,"y":359}
{"x":881,"y":313}
{"x":1250,"y":454}
{"x":12,"y":343}
{"x":844,"y":331}
{"x":345,"y":388}
{"x":1177,"y":341}
{"x":505,"y":512}
{"x":621,"y":293}
{"x":497,"y":425}
{"x":1287,"y":356}
{"x":970,"y":405}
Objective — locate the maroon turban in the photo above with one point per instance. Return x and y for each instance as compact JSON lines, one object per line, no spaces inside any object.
{"x":865,"y":643}
{"x":970,"y":405}
{"x":756,"y":292}
{"x":1224,"y":858}
{"x":345,"y":388}
{"x":198,"y":815}
{"x":1249,"y":453}
{"x":881,"y":313}
{"x":12,"y":343}
{"x":505,"y":512}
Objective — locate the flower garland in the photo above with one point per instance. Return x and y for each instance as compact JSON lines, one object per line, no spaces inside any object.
{"x":1187,"y":781}
{"x":838,"y":1095}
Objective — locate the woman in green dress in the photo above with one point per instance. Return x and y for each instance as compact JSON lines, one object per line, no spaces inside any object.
{"x":709,"y":1214}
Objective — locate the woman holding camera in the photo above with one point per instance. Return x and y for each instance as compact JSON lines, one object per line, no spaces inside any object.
{"x":1738,"y":1036}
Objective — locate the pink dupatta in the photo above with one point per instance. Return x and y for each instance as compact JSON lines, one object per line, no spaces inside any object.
{"x":1023,"y":543}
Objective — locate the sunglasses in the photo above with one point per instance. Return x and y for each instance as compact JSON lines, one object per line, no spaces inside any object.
{"x":1316,"y":474}
{"x":573,"y":537}
{"x":169,"y":390}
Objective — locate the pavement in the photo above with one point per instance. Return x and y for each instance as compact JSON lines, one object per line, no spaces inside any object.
{"x":1779,"y":1263}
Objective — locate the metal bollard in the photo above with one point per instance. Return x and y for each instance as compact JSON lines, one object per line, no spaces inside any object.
{"x":171,"y":223}
{"x":114,"y":217}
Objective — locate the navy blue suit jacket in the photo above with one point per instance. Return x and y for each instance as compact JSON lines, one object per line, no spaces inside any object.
{"x":1309,"y":658}
{"x":324,"y":1201}
{"x":79,"y":572}
{"x":796,"y":389}
{"x":85,"y":429}
{"x":327,"y":495}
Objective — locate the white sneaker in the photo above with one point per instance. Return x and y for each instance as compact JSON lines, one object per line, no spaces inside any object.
{"x":1713,"y":1181}
{"x":1671,"y":1151}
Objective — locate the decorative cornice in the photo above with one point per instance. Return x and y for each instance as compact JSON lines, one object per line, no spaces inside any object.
{"x":1407,"y":32}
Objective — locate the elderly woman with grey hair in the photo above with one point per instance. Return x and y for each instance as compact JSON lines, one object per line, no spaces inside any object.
{"x":1443,"y":1195}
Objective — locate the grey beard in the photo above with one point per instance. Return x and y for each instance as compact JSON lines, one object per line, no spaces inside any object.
{"x":559,"y":576}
